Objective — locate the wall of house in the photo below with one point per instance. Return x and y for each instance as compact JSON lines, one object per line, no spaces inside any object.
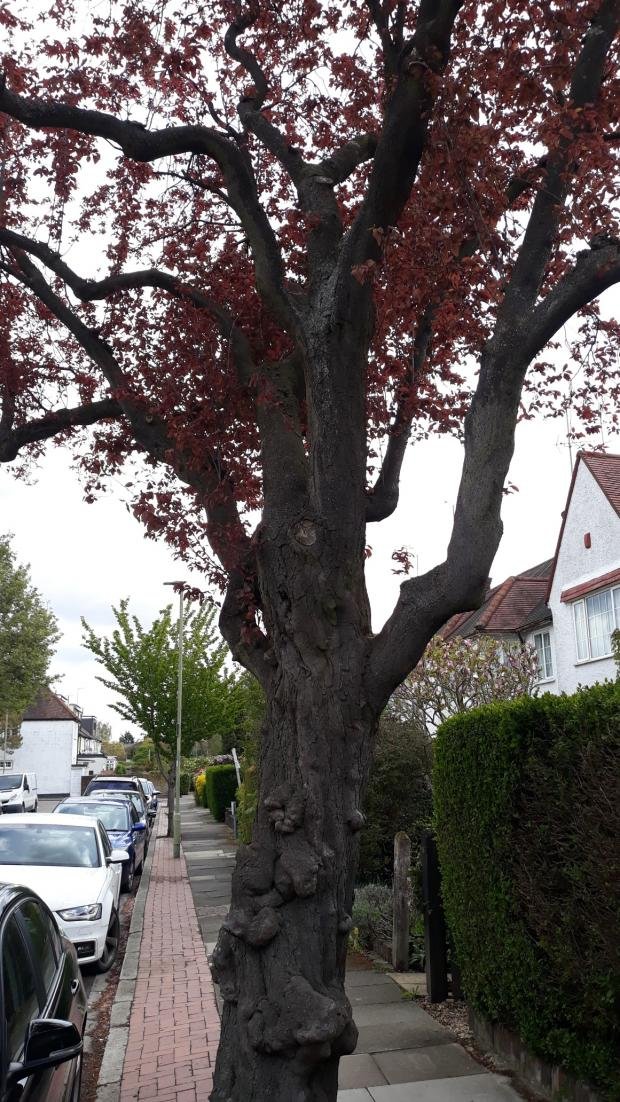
{"x":589,"y":511}
{"x":48,"y":749}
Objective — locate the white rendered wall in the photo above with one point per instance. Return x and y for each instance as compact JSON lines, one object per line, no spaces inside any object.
{"x":47,"y":750}
{"x":589,"y":511}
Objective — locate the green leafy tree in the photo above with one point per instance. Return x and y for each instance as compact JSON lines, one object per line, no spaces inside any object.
{"x":143,"y":753}
{"x":249,"y":713}
{"x":116,"y":750}
{"x":127,"y":738}
{"x":141,"y":667}
{"x":28,"y":635}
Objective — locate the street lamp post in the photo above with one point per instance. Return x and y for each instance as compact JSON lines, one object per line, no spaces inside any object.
{"x":176,"y":817}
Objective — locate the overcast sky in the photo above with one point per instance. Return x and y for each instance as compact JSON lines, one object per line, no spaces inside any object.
{"x":84,"y":558}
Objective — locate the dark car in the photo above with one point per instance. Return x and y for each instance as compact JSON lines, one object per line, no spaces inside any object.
{"x":152,"y":795}
{"x":116,"y":784}
{"x":136,"y":800}
{"x":43,"y":1003}
{"x":123,"y":825}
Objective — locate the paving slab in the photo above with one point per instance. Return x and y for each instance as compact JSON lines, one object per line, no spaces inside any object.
{"x":359,"y":1071}
{"x":471,"y":1088}
{"x":431,"y":1062}
{"x":361,"y":978}
{"x":375,"y":993}
{"x":359,"y":1095}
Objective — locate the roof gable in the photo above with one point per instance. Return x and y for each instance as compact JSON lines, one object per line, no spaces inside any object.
{"x":49,"y":706}
{"x":508,"y":607}
{"x":605,"y":470}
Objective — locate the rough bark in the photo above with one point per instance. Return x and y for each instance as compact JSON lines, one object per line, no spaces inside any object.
{"x":281,"y":953}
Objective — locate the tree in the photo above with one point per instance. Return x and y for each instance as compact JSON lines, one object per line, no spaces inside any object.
{"x":28,"y":636}
{"x":143,"y":753}
{"x":142,"y":669}
{"x":457,"y":674}
{"x":127,"y":739}
{"x":114,"y":749}
{"x":324,"y":229}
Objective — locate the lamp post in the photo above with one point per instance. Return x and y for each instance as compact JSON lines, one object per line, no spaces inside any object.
{"x":176,"y":817}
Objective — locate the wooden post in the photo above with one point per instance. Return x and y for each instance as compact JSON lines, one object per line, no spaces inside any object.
{"x":400,"y":921}
{"x":434,"y":923}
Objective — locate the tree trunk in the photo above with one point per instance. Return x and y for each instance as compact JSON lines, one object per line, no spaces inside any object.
{"x":170,"y":778}
{"x":280,"y":957}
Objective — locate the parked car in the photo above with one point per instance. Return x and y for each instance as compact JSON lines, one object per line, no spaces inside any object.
{"x":117,"y":784}
{"x":44,"y":1003}
{"x":70,"y":862}
{"x":124,"y":827}
{"x":18,"y":792}
{"x":136,"y":800}
{"x":152,"y":795}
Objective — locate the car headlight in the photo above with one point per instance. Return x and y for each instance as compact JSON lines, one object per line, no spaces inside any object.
{"x":90,"y":913}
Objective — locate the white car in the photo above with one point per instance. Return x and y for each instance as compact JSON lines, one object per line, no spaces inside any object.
{"x":69,"y":861}
{"x":18,"y":792}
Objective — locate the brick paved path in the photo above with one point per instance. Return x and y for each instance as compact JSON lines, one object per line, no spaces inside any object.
{"x":174,"y":1024}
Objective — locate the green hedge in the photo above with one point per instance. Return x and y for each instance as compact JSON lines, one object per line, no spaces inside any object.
{"x":527,"y":802}
{"x":398,"y":797}
{"x":220,"y":788}
{"x":185,"y":783}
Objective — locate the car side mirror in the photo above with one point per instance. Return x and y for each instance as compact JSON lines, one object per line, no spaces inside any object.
{"x":117,"y":856}
{"x":141,"y":825}
{"x":49,"y":1042}
{"x":157,"y":792}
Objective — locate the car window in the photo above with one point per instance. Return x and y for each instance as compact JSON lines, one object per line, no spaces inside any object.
{"x":21,"y":1002}
{"x":135,"y":818}
{"x":44,"y":939}
{"x":113,"y":816}
{"x":105,"y":841}
{"x":48,"y":844}
{"x":111,"y":786}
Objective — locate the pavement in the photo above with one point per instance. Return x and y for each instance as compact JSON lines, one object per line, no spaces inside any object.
{"x":402,"y":1055}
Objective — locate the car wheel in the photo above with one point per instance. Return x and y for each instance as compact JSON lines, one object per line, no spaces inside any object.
{"x":129,"y":877}
{"x":107,"y":958}
{"x":23,"y":809}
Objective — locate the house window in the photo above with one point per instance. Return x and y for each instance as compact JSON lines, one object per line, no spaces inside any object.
{"x":542,"y":642}
{"x":595,"y":619}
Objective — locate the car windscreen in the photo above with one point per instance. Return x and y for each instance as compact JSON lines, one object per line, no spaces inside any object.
{"x":113,"y":816}
{"x":9,"y":781}
{"x":136,"y":800}
{"x":46,"y":844}
{"x":112,"y":786}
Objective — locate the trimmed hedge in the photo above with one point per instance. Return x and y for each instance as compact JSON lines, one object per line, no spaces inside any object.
{"x":527,"y":805}
{"x":220,"y":788}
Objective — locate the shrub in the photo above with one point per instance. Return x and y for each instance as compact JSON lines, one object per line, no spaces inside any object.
{"x":399,"y":797}
{"x":372,"y":923}
{"x":220,"y":788}
{"x":247,"y":793}
{"x":199,"y":788}
{"x":120,"y":769}
{"x":527,"y":802}
{"x":185,"y":782}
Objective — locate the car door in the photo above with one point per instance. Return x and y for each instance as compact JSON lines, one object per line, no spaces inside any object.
{"x":33,"y":986}
{"x":114,"y":871}
{"x":61,"y":991}
{"x":139,"y":836}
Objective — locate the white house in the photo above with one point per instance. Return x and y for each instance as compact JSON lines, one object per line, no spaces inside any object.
{"x":58,"y":744}
{"x":568,"y":606}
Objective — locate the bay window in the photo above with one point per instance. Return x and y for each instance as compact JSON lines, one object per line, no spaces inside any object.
{"x":595,"y":618}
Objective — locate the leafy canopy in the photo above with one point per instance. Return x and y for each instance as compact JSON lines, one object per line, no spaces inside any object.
{"x":141,"y":665}
{"x":28,"y":636}
{"x":228,"y":224}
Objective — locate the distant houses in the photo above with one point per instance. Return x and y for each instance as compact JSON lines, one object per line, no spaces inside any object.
{"x":568,"y":606}
{"x":59,"y":743}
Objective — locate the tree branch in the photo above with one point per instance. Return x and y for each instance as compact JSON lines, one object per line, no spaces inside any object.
{"x":383,"y":498}
{"x":595,"y":271}
{"x":57,"y":421}
{"x":89,"y":290}
{"x":459,"y":583}
{"x":140,"y":144}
